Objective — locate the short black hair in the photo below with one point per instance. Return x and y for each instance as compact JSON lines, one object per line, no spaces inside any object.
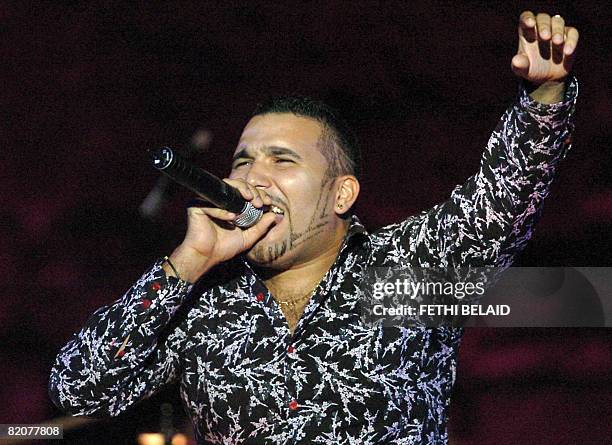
{"x":338,"y":142}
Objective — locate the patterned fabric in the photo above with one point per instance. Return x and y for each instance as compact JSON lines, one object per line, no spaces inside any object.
{"x":245,"y":379}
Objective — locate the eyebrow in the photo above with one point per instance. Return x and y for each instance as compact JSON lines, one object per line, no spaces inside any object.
{"x":272,"y":150}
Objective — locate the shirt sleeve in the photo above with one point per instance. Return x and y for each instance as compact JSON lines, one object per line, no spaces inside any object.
{"x":488,"y":220}
{"x":125,"y":352}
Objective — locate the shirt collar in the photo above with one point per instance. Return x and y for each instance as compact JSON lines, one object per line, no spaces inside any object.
{"x":355,"y":227}
{"x":355,"y":235}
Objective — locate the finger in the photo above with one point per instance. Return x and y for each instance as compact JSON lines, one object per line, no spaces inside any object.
{"x":248,"y":191}
{"x":212,"y":212}
{"x":527,"y":26}
{"x":253,"y":234}
{"x":264,"y":196}
{"x":257,"y":200}
{"x":557,"y":24}
{"x":527,"y":19}
{"x":520,"y":65}
{"x":242,"y":187}
{"x":571,"y":40}
{"x":543,"y":24}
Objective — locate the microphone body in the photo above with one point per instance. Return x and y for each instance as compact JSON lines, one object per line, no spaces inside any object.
{"x":206,"y":185}
{"x":164,"y":188}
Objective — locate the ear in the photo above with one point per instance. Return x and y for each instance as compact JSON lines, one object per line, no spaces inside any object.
{"x":347,"y":190}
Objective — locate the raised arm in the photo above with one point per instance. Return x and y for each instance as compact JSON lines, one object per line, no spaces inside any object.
{"x":489,"y":219}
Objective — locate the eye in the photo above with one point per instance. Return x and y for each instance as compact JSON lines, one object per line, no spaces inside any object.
{"x":284,"y":160}
{"x":241,"y":163}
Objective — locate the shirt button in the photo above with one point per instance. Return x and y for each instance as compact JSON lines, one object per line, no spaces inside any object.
{"x":156,"y":286}
{"x":293,"y":405}
{"x":146,"y":303}
{"x":290,"y":349}
{"x":260,"y":297}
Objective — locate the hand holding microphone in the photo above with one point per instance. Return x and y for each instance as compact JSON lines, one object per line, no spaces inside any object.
{"x":212,"y":233}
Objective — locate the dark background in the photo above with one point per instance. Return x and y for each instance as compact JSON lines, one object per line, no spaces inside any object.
{"x":87,"y":88}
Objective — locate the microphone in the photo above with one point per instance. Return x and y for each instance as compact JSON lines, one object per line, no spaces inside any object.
{"x":206,"y":185}
{"x":164,"y":189}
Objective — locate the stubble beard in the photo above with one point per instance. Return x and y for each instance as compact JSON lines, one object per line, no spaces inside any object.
{"x":270,"y":254}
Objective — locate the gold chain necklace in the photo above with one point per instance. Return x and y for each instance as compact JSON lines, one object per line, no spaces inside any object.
{"x":299,"y":300}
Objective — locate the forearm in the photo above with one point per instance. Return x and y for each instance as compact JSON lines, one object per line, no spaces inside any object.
{"x":488,"y":219}
{"x":107,"y":356}
{"x":516,"y":172}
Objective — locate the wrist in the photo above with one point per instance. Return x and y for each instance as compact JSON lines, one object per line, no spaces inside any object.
{"x":186,"y":264}
{"x":549,"y":92}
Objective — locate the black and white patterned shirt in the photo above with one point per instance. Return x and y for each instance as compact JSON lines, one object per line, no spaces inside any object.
{"x":245,"y":379}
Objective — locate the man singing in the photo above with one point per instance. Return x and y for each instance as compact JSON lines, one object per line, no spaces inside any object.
{"x":270,"y":347}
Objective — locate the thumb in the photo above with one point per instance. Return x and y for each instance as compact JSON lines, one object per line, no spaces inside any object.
{"x":251,"y":235}
{"x":520,"y":65}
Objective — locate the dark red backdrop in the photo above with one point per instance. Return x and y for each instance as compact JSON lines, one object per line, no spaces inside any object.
{"x":86,"y":89}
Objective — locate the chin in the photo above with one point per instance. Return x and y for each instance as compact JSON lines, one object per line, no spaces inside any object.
{"x":270,"y":253}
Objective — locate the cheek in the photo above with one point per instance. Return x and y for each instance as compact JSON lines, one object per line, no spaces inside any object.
{"x":235,"y":175}
{"x":301,"y":192}
{"x":305,"y":195}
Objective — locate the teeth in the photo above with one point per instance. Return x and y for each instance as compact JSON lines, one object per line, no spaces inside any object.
{"x":277,"y":210}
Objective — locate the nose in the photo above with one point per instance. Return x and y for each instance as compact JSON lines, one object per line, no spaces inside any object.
{"x":258,"y":175}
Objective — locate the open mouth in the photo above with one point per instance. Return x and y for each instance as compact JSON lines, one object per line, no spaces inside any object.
{"x":277,"y":210}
